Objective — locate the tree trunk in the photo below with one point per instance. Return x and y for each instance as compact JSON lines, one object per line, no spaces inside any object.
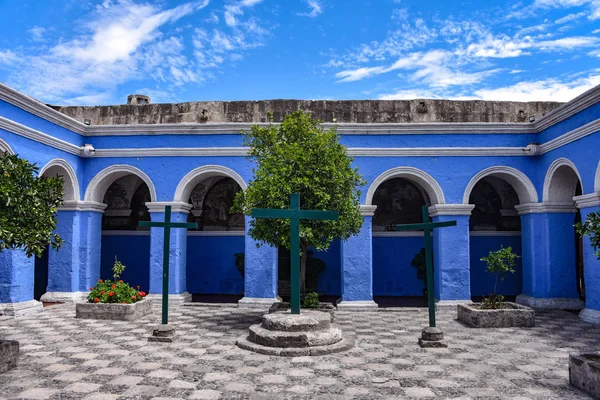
{"x":303,"y":257}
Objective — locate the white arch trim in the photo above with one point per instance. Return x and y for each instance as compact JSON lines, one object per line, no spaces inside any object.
{"x":187,"y":184}
{"x":597,"y":181}
{"x":73,"y":182}
{"x":556,"y":164}
{"x":5,"y":148}
{"x":426,"y":181}
{"x":101,"y":182}
{"x":519,"y":181}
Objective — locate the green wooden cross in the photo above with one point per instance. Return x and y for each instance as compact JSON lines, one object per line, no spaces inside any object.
{"x":294,"y":214}
{"x":166,"y":244}
{"x":427,"y":227}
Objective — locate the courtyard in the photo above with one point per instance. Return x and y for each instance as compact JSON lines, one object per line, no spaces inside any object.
{"x":67,"y":358}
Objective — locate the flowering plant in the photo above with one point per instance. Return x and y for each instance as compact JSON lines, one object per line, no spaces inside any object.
{"x":117,"y":291}
{"x":500,"y":263}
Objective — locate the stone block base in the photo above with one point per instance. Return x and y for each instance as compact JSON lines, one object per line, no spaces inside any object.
{"x":64,"y":297}
{"x":554,"y":303}
{"x":21,"y":309}
{"x":9,"y":354}
{"x":163,"y":334}
{"x":119,"y":312}
{"x":258,"y":303}
{"x":175,"y":300}
{"x":362,"y":305}
{"x":589,"y":315}
{"x":515,"y":315}
{"x":584,"y":372}
{"x":432,"y":337}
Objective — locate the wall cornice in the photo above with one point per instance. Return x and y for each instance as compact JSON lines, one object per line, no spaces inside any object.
{"x":39,"y":109}
{"x":450,"y":209}
{"x":367,"y":210}
{"x":545,"y":207}
{"x":176,"y":206}
{"x":569,"y":109}
{"x":40,"y":137}
{"x":77,"y":205}
{"x":570,"y":136}
{"x":587,"y":200}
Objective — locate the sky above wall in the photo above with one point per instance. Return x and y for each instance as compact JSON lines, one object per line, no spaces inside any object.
{"x":82,"y":52}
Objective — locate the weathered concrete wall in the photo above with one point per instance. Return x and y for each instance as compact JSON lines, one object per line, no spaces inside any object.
{"x":347,"y":111}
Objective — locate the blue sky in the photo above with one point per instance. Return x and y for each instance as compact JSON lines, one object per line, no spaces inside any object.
{"x":97,"y":52}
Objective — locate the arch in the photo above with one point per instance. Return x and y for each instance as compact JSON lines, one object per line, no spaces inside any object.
{"x":519,"y":181}
{"x":187,"y":184}
{"x":561,"y":181}
{"x":71,"y":183}
{"x":422,"y":178}
{"x":597,"y":181}
{"x":5,"y":148}
{"x":103,"y":179}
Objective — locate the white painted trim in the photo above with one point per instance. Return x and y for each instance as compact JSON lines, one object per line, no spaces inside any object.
{"x":397,"y":234}
{"x":556,"y":164}
{"x":587,"y":200}
{"x":37,"y":136}
{"x":545,"y":207}
{"x":571,"y":136}
{"x":569,"y":109}
{"x":39,"y":109}
{"x":187,"y":184}
{"x":436,"y":151}
{"x":125,"y":233}
{"x":590,"y":315}
{"x":356,"y":305}
{"x":64,"y":297}
{"x":258,"y":302}
{"x":64,"y":164}
{"x":76,"y":205}
{"x":596,"y":181}
{"x":519,"y":181}
{"x":494,"y":233}
{"x":103,"y":179}
{"x":415,"y":175}
{"x":367,"y":210}
{"x":450,"y":209}
{"x":5,"y":148}
{"x":176,"y":206}
{"x":174,"y":152}
{"x":20,"y":309}
{"x":217,"y":233}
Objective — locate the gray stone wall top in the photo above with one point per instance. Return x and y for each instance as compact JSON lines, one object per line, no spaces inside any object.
{"x":340,"y":111}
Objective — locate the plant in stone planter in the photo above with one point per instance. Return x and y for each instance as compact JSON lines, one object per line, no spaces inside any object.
{"x":310,"y":300}
{"x":591,"y":227}
{"x":116,"y":291}
{"x":499,"y":263}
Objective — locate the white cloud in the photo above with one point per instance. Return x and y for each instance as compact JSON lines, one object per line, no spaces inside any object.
{"x":592,"y":5}
{"x":503,"y":46}
{"x":542,"y":90}
{"x":37,"y":33}
{"x":316,"y":9}
{"x":516,"y":71}
{"x":232,"y":11}
{"x":569,"y":18}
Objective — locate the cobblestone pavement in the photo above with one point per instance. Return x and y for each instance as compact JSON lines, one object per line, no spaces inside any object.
{"x":67,"y":358}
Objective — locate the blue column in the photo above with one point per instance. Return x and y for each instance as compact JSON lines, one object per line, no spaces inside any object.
{"x":16,"y":283}
{"x":451,"y":257}
{"x":260,"y":273}
{"x":548,"y":247}
{"x":357,"y":265}
{"x":177,"y":252}
{"x":591,"y":265}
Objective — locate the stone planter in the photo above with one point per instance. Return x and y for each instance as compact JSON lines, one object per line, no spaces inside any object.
{"x":584,"y":372}
{"x":112,"y":311}
{"x":513,"y":315}
{"x":324,"y":307}
{"x":9,"y":354}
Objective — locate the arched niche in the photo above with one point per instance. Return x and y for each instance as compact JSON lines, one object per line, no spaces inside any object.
{"x":561,"y":182}
{"x":101,"y":182}
{"x":60,"y":167}
{"x":418,"y":177}
{"x":519,"y":181}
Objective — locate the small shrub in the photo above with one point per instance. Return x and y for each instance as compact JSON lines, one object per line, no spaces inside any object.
{"x":311,"y":300}
{"x":117,"y":291}
{"x":499,"y":262}
{"x":591,"y":228}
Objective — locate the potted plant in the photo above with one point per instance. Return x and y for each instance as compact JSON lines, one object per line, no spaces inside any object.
{"x":115,"y":300}
{"x":419,"y":263}
{"x":493,"y":311}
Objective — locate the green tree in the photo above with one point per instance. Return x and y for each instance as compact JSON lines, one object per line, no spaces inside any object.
{"x":299,"y":156}
{"x":28,"y":206}
{"x":591,"y":228}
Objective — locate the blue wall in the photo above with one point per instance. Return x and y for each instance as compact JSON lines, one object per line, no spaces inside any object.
{"x":392,"y":273}
{"x":329,"y":281}
{"x":482,"y":283}
{"x":211,"y":265}
{"x":133,"y":252}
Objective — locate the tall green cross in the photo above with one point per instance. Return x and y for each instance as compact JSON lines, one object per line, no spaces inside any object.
{"x":427,"y":227}
{"x":294,"y":214}
{"x":167,"y":225}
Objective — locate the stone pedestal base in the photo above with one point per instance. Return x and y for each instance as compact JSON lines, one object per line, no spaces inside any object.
{"x":21,"y":309}
{"x":550,"y":303}
{"x":174,"y":299}
{"x":284,"y":334}
{"x":162,"y":333}
{"x":9,"y":354}
{"x":432,"y":337}
{"x":64,"y":297}
{"x":584,"y":372}
{"x":589,"y":315}
{"x":363,"y":305}
{"x":258,"y":303}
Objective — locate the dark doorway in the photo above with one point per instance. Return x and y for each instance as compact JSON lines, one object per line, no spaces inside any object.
{"x":579,"y":260}
{"x":40,"y":275}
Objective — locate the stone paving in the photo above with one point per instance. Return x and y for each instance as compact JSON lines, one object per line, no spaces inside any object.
{"x":67,"y":358}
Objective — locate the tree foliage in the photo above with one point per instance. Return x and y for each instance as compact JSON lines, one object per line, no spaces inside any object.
{"x":591,"y":228}
{"x":499,"y":263}
{"x":299,"y":156}
{"x":28,"y":206}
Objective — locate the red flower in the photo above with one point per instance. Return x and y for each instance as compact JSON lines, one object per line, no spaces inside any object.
{"x":96,"y":300}
{"x":102,"y":292}
{"x":91,"y":288}
{"x":120,"y":280}
{"x":114,"y":285}
{"x":100,"y":280}
{"x":111,"y":293}
{"x":124,"y":302}
{"x":133,"y":297}
{"x":138,"y":287}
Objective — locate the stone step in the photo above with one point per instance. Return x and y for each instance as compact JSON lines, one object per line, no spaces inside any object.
{"x":307,"y":320}
{"x":286,"y":339}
